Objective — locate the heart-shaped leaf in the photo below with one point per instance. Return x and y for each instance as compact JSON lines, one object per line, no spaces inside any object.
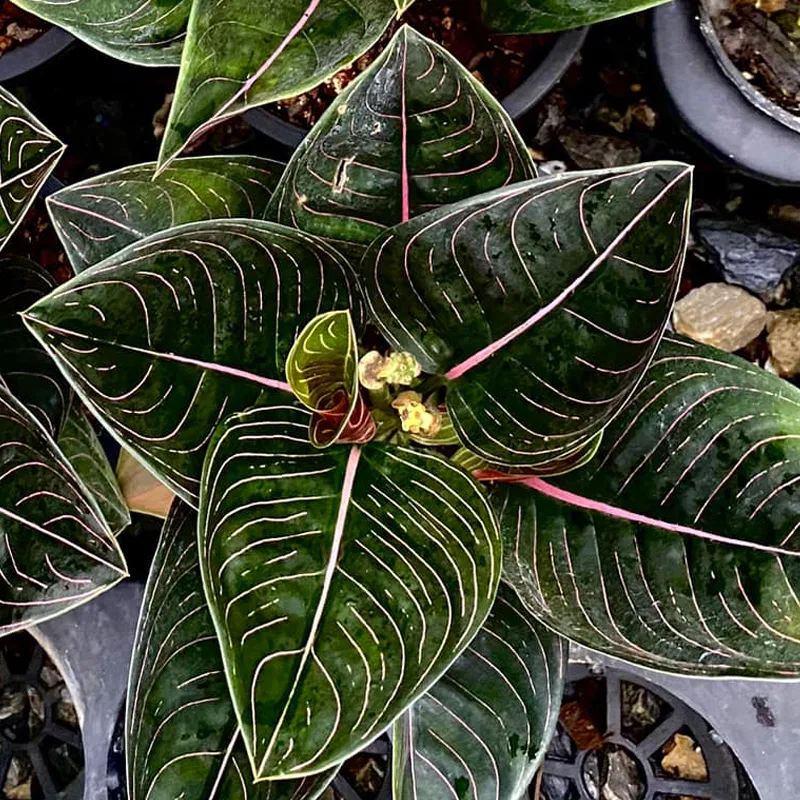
{"x":169,"y":336}
{"x":182,"y":738}
{"x":414,"y":131}
{"x":243,"y":53}
{"x":342,"y":582}
{"x":148,"y":32}
{"x":481,"y":732}
{"x":29,"y":373}
{"x":100,"y":216}
{"x":545,"y":16}
{"x":28,"y":153}
{"x":55,"y":549}
{"x":322,"y":370}
{"x":678,"y":546}
{"x":79,"y":443}
{"x":520,"y":288}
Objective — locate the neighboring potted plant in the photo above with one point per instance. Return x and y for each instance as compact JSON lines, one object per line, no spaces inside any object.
{"x":237,"y":55}
{"x":754,"y":127}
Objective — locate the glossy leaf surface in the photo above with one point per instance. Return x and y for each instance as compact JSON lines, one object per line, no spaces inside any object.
{"x":28,"y":153}
{"x":521,"y":289}
{"x":414,"y":132}
{"x":55,"y":549}
{"x":678,"y":546}
{"x":342,"y":582}
{"x":167,"y":337}
{"x":100,"y":216}
{"x":79,"y":443}
{"x":544,"y":16}
{"x":482,"y":730}
{"x":149,"y":32}
{"x":181,"y":732}
{"x":322,"y":370}
{"x":244,"y":53}
{"x":29,"y":372}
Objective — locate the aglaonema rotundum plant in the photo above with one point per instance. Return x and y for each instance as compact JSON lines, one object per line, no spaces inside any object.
{"x":423,"y":419}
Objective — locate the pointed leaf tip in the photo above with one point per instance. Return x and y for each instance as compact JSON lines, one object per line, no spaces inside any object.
{"x":542,"y":267}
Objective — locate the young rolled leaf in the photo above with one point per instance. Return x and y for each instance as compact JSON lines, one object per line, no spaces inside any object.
{"x":244,"y":53}
{"x":546,"y":16}
{"x":79,"y":443}
{"x":181,"y":735}
{"x":481,"y":732}
{"x":56,"y":551}
{"x":342,"y":582}
{"x":322,"y":370}
{"x":148,"y":32}
{"x":413,"y":132}
{"x":520,"y":288}
{"x":100,"y":216}
{"x":677,"y":548}
{"x":29,"y":373}
{"x":28,"y":153}
{"x":169,"y":336}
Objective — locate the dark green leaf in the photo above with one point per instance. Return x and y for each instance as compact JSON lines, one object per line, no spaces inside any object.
{"x":55,"y":549}
{"x":149,"y":32}
{"x":678,"y":547}
{"x":542,"y":303}
{"x":29,"y":372}
{"x":79,"y":443}
{"x":169,"y":336}
{"x":342,"y":582}
{"x":481,"y":732}
{"x":544,"y":16}
{"x":412,"y":133}
{"x":99,"y":216}
{"x":182,"y":738}
{"x":322,"y":370}
{"x":243,"y":53}
{"x":28,"y":153}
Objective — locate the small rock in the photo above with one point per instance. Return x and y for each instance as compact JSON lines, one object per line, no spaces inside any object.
{"x":720,"y":315}
{"x":595,"y":151}
{"x":683,"y":759}
{"x":783,"y":340}
{"x":749,"y":255}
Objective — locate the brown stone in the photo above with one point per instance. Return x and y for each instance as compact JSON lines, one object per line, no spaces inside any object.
{"x":720,"y":315}
{"x":783,"y":340}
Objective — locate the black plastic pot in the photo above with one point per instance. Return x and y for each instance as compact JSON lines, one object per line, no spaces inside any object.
{"x":720,"y":109}
{"x":564,"y":51}
{"x":33,"y":54}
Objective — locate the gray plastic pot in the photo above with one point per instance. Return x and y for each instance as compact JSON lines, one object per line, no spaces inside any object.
{"x":91,"y":647}
{"x":564,"y":51}
{"x":727,"y":116}
{"x":758,"y":720}
{"x":28,"y":56}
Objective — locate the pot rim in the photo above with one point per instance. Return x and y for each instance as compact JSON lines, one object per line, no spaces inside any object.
{"x":761,"y":101}
{"x":35,"y":53}
{"x":547,"y":74}
{"x":711,"y":106}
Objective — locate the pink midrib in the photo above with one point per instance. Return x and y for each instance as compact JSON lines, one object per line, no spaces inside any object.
{"x":209,"y":365}
{"x":556,"y":493}
{"x":405,"y":189}
{"x":487,"y":352}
